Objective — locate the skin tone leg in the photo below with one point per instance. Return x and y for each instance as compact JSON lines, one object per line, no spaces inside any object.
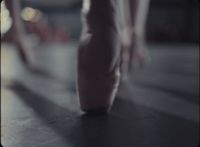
{"x":98,"y":56}
{"x":134,"y":49}
{"x":17,"y":30}
{"x":138,"y":15}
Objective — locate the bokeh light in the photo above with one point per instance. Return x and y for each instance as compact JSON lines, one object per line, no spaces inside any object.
{"x":30,"y":14}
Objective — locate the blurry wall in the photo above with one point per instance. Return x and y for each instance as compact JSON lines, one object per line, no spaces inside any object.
{"x":173,"y":21}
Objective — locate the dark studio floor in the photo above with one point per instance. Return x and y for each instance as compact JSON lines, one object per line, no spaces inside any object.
{"x":156,"y":107}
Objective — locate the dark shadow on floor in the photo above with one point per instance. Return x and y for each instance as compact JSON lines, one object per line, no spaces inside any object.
{"x":190,"y":97}
{"x":101,"y":131}
{"x":127,"y":125}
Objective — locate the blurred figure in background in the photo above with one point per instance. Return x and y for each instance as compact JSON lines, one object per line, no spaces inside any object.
{"x":17,"y":33}
{"x":29,"y":21}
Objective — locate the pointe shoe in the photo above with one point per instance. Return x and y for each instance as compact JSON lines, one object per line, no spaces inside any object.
{"x":98,"y":58}
{"x":97,"y":91}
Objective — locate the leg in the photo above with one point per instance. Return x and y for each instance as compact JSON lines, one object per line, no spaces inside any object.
{"x":134,"y":48}
{"x":17,"y":30}
{"x":138,"y":50}
{"x":98,"y":56}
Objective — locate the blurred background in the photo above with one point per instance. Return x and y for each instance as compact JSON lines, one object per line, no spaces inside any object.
{"x":168,"y":20}
{"x":157,"y":107}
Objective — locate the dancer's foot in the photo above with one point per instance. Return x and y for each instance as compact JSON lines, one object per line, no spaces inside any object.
{"x":135,"y":54}
{"x":98,"y":57}
{"x":138,"y":53}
